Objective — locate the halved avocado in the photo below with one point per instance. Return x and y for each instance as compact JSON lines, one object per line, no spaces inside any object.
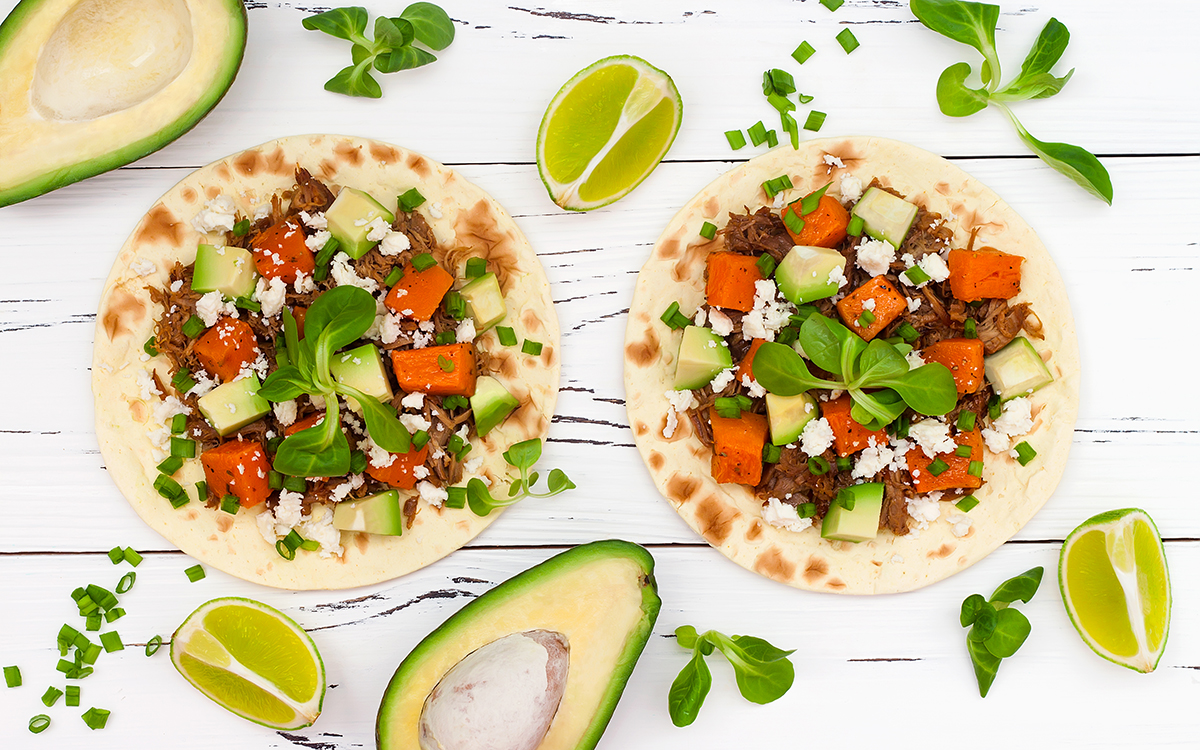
{"x":90,"y":85}
{"x":600,"y":597}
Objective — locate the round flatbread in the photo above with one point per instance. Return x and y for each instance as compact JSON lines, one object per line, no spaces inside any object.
{"x":729,"y":516}
{"x":465,"y":221}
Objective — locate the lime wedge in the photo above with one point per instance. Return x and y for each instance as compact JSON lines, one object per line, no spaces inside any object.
{"x":606,"y":130}
{"x":253,"y":660}
{"x":1113,"y":576}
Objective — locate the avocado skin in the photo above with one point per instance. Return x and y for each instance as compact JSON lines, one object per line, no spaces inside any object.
{"x":531,"y":579}
{"x":52,"y":180}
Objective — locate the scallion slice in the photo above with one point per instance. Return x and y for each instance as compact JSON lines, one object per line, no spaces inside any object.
{"x":806,"y":510}
{"x":963,"y":451}
{"x":111,"y":641}
{"x":975,"y":468}
{"x":456,"y":497}
{"x":938,"y":466}
{"x":274,"y":480}
{"x":92,"y":653}
{"x":193,"y":327}
{"x":708,"y":231}
{"x":845,"y":498}
{"x":393,"y":276}
{"x":96,"y":718}
{"x":194,"y":573}
{"x":788,"y":123}
{"x":242,"y":228}
{"x":901,"y":426}
{"x":444,"y":338}
{"x":116,"y":554}
{"x":766,"y":265}
{"x":456,"y":305}
{"x":772,"y":139}
{"x":423,"y":262}
{"x":295,"y":484}
{"x":419,"y":439}
{"x":844,"y":463}
{"x":12,"y":676}
{"x":855,"y":227}
{"x":358,"y":462}
{"x":293,"y":540}
{"x":178,"y":424}
{"x":286,"y":552}
{"x":409,"y":200}
{"x":814,"y":121}
{"x":72,"y":695}
{"x":967,"y":503}
{"x":817,"y":465}
{"x":847,"y":39}
{"x":475,"y":268}
{"x":248,"y":304}
{"x":508,"y":337}
{"x":167,"y":487}
{"x":781,"y":104}
{"x":778,"y":81}
{"x":866,"y":318}
{"x":994,"y":408}
{"x":803,"y":52}
{"x":832,"y":4}
{"x":170,"y":464}
{"x":792,"y":220}
{"x":51,"y":696}
{"x":149,"y":347}
{"x":321,"y":272}
{"x":155,"y":643}
{"x":445,"y":363}
{"x":771,"y":453}
{"x":966,"y":421}
{"x":969,"y":329}
{"x":230,"y":504}
{"x":531,"y":347}
{"x":126,"y":582}
{"x":39,"y":723}
{"x":310,"y":545}
{"x":916,"y":275}
{"x":202,"y":491}
{"x":735,"y":138}
{"x":455,"y":402}
{"x":908,"y":333}
{"x":114,"y":614}
{"x":729,"y":408}
{"x":757,"y":133}
{"x":183,"y":447}
{"x":92,"y":623}
{"x":1025,"y":452}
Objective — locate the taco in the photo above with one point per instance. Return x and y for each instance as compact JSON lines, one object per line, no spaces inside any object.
{"x":305,"y":277}
{"x":852,"y":367}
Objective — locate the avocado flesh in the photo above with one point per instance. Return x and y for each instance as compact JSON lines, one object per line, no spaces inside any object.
{"x":485,"y":301}
{"x":232,"y":406}
{"x":153,"y":69}
{"x":702,"y":355}
{"x":491,"y":404}
{"x":348,"y":218}
{"x":860,"y":524}
{"x":362,"y":369}
{"x":803,"y":276}
{"x":787,"y":416}
{"x":377,"y":514}
{"x":601,"y":597}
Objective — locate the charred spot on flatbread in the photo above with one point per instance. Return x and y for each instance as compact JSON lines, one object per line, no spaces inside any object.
{"x":417,"y":163}
{"x":681,"y":488}
{"x":668,"y":249}
{"x":644,"y":353}
{"x":773,"y":564}
{"x":835,"y":584}
{"x":477,"y":227}
{"x":250,"y":163}
{"x":121,"y":314}
{"x":224,"y":522}
{"x":349,"y":153}
{"x":716,"y":519}
{"x":384,"y":153}
{"x":816,"y":568}
{"x":691,"y":266}
{"x":160,"y":227}
{"x":656,"y":461}
{"x":943,"y":551}
{"x":754,"y":530}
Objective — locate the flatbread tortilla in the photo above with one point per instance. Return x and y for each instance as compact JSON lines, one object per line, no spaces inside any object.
{"x":729,"y":516}
{"x":466,"y":221}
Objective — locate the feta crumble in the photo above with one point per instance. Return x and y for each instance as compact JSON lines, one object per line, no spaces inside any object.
{"x":376,"y":456}
{"x":285,"y":412}
{"x":720,"y":322}
{"x":722,"y":379}
{"x":414,"y":422}
{"x":933,"y":436}
{"x":756,"y":390}
{"x":317,"y":240}
{"x":344,"y":275}
{"x":211,"y":306}
{"x":781,"y":515}
{"x":816,"y":437}
{"x":875,"y":256}
{"x":315,"y":220}
{"x":394,"y":243}
{"x":851,"y":187}
{"x":1015,"y":419}
{"x":837,"y":276}
{"x":925,"y":509}
{"x":318,"y":526}
{"x":678,"y":402}
{"x":914,"y":360}
{"x":143,"y":267}
{"x":465,"y":332}
{"x":432,"y":494}
{"x":389,"y":328}
{"x":435,"y":209}
{"x":873,"y":459}
{"x":414,"y":400}
{"x":914,"y":303}
{"x":833,"y":161}
{"x":218,"y":214}
{"x":768,"y":315}
{"x":271,"y":294}
{"x":377,"y":229}
{"x":960,"y":525}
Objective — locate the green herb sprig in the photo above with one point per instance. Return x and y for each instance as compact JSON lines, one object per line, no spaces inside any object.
{"x":974,"y":24}
{"x":336,"y":319}
{"x":763,"y":672}
{"x":876,"y":375}
{"x":996,"y":632}
{"x":523,"y":456}
{"x":392,"y":48}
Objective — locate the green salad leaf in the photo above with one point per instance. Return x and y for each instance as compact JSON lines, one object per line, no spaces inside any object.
{"x":762,"y":671}
{"x":523,"y":456}
{"x":996,"y":631}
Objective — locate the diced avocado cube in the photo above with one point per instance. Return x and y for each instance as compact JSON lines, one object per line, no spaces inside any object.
{"x":485,"y":301}
{"x":702,"y":354}
{"x":860,"y":524}
{"x":1016,"y":370}
{"x":377,"y":514}
{"x":348,"y":218}
{"x":228,"y":270}
{"x":362,"y":368}
{"x":491,"y":404}
{"x":885,"y":217}
{"x":234,"y":405}
{"x":804,"y":274}
{"x":787,"y":416}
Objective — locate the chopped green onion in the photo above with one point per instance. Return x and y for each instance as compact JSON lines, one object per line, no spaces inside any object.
{"x":38,"y":724}
{"x":96,"y":718}
{"x":423,"y":262}
{"x":994,"y":408}
{"x":908,"y":333}
{"x":202,"y":491}
{"x":456,"y":305}
{"x":806,"y":510}
{"x":445,"y":364}
{"x":866,"y":318}
{"x":708,"y":231}
{"x":242,"y":228}
{"x":789,"y":126}
{"x":781,"y":104}
{"x":66,"y":638}
{"x":230,"y":504}
{"x":455,"y":444}
{"x":116,"y":554}
{"x":757,"y":133}
{"x":444,"y":338}
{"x":771,"y":453}
{"x":358,"y":462}
{"x":155,"y":643}
{"x":101,"y":596}
{"x":475,"y":268}
{"x":419,"y":439}
{"x":92,"y":622}
{"x":295,"y":484}
{"x":975,"y":468}
{"x":847,"y":39}
{"x":310,"y":545}
{"x":149,"y":347}
{"x":167,"y":487}
{"x":286,"y":552}
{"x":92,"y":653}
{"x":111,"y":641}
{"x":170,"y":464}
{"x":323,"y":259}
{"x":195,"y":573}
{"x":809,"y":203}
{"x":274,"y":443}
{"x":126,"y":582}
{"x":729,"y":408}
{"x":792,"y":221}
{"x":772,"y":139}
{"x":778,"y":81}
{"x":815,"y":120}
{"x":1025,"y":452}
{"x":72,"y":695}
{"x":966,"y":421}
{"x":114,"y":614}
{"x":12,"y":676}
{"x":967,"y":503}
{"x":845,"y":498}
{"x":455,"y":402}
{"x":274,"y":480}
{"x":293,"y":539}
{"x":409,"y":200}
{"x":51,"y":696}
{"x":508,"y":337}
{"x":246,"y":303}
{"x":916,"y":275}
{"x":855,"y":227}
{"x":193,"y":327}
{"x":531,"y":347}
{"x":735,"y":138}
{"x":744,"y":402}
{"x":766,"y":265}
{"x":832,"y":4}
{"x":938,"y":466}
{"x":963,"y":451}
{"x":178,"y":424}
{"x":457,"y":497}
{"x":844,"y":463}
{"x":803,"y":52}
{"x":901,"y":426}
{"x":393,"y":276}
{"x":817,"y":465}
{"x":673,"y":318}
{"x":804,"y":98}
{"x":183,"y":447}
{"x":969,"y":329}
{"x":64,"y":666}
{"x":180,"y":500}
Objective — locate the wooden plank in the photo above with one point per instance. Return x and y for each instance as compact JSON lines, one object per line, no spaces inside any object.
{"x":898,"y":659}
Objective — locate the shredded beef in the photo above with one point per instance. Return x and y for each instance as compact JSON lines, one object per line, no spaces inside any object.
{"x":310,"y":194}
{"x":757,"y":233}
{"x":998,"y":323}
{"x":896,"y":492}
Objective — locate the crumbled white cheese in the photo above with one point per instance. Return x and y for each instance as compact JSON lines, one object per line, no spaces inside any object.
{"x":720,"y":322}
{"x":769,"y":313}
{"x":933,"y":435}
{"x":837,"y":276}
{"x":376,"y":456}
{"x":394,"y":243}
{"x":146,"y":384}
{"x":435,"y":209}
{"x":317,"y":240}
{"x":318,"y":526}
{"x":678,"y":402}
{"x":353,"y":482}
{"x":377,"y":229}
{"x":959,"y":525}
{"x":288,"y":511}
{"x":756,"y":390}
{"x":176,"y":285}
{"x":700,"y":317}
{"x":852,"y":188}
{"x":472,"y":466}
{"x":204,"y":384}
{"x":375,"y":330}
{"x":914,"y":360}
{"x":869,"y":304}
{"x":262,"y":211}
{"x":900,"y":449}
{"x":414,"y":422}
{"x":285,"y":412}
{"x":465,"y":332}
{"x":304,"y":283}
{"x":432,"y":494}
{"x":143,"y":267}
{"x":266,"y":525}
{"x":873,"y":459}
{"x":784,"y":516}
{"x":875,"y":256}
{"x":414,"y":400}
{"x":211,"y":306}
{"x":1016,"y":418}
{"x":996,"y":442}
{"x":933,"y":265}
{"x":271,"y":294}
{"x":314,"y":221}
{"x":833,"y":161}
{"x":914,"y":303}
{"x":389,"y":328}
{"x":924,"y":509}
{"x":218,"y":214}
{"x":343,"y":274}
{"x":816,"y":437}
{"x":722,"y":379}
{"x":420,"y":472}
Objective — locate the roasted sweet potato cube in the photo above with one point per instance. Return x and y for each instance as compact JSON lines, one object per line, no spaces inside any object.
{"x":985,"y":273}
{"x":964,"y":359}
{"x":226,"y":348}
{"x":877,"y":296}
{"x":848,"y":436}
{"x":956,"y":475}
{"x":731,"y":278}
{"x":737,"y":447}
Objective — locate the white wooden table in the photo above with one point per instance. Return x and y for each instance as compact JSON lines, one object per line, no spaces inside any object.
{"x":883,"y":671}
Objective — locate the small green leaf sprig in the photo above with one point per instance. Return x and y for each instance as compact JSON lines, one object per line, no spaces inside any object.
{"x":392,"y":48}
{"x":523,"y":456}
{"x":762,"y":671}
{"x":974,"y":24}
{"x":996,"y":631}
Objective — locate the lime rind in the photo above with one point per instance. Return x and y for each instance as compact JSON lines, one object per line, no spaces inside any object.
{"x":304,"y":712}
{"x":651,"y":88}
{"x":1135,"y":576}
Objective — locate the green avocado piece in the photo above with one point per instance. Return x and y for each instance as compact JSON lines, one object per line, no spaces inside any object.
{"x":228,"y":270}
{"x":362,"y":368}
{"x":232,"y":406}
{"x":91,"y":85}
{"x":885,"y":217}
{"x":860,"y":524}
{"x":1016,"y":370}
{"x":601,"y":598}
{"x":491,"y":404}
{"x":803,"y":276}
{"x":702,"y":354}
{"x":377,"y":514}
{"x":787,"y":416}
{"x":348,"y":218}
{"x":485,"y":301}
